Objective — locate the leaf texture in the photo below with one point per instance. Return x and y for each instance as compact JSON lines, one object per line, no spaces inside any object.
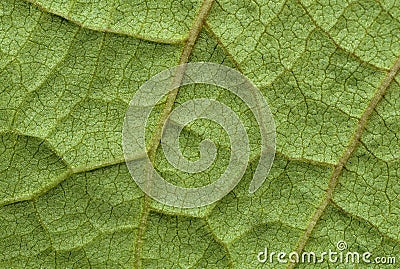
{"x":68,"y":69}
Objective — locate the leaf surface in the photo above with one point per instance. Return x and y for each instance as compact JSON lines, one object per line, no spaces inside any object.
{"x":68,"y":70}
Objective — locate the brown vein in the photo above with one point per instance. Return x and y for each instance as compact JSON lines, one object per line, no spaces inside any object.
{"x":156,"y":137}
{"x":346,"y":155}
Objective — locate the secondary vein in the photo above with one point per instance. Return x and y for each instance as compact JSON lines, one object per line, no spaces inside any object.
{"x":377,"y":97}
{"x":194,"y":32}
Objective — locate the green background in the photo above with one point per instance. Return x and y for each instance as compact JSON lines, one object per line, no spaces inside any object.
{"x":68,"y":69}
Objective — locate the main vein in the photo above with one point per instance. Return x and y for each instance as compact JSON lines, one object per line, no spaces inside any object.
{"x":377,"y":97}
{"x":194,"y":32}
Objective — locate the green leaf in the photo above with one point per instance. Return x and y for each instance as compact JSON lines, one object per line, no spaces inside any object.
{"x":68,"y":69}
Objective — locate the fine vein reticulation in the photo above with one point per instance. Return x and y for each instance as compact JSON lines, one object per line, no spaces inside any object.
{"x":346,"y":155}
{"x":338,"y":166}
{"x":156,"y":137}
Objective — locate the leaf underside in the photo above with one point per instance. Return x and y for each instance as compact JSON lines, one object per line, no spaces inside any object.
{"x":68,"y":69}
